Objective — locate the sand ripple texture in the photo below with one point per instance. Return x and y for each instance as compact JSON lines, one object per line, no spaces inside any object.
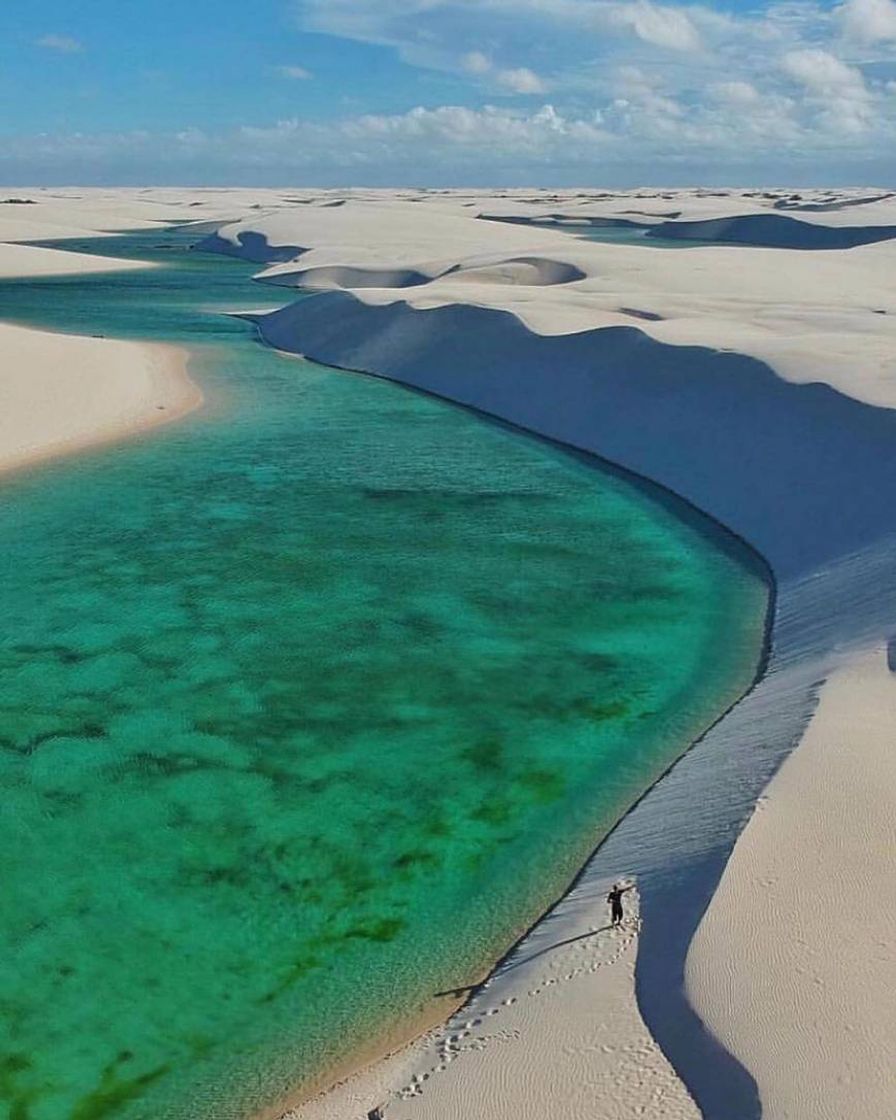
{"x":793,"y":966}
{"x":567,"y":997}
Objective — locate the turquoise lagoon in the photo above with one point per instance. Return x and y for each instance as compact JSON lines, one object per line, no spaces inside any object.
{"x":309,"y":704}
{"x":619,"y":235}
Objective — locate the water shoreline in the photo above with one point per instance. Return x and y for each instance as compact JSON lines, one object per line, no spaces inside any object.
{"x":128,"y":388}
{"x":72,"y":340}
{"x":716,"y":533}
{"x":720,"y":537}
{"x":771,"y":407}
{"x":726,"y":393}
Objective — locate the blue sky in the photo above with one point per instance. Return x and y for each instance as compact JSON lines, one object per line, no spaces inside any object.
{"x":447,"y":92}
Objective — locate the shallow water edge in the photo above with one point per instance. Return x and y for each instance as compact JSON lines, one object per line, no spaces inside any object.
{"x":613,"y":841}
{"x":140,"y":506}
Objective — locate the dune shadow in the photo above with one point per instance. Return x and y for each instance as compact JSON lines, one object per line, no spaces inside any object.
{"x":802,"y":472}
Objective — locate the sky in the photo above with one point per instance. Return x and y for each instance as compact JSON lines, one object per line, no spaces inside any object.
{"x":448,"y":92}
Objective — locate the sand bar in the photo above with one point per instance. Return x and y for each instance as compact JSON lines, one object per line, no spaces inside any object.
{"x":557,"y":1026}
{"x":33,"y":260}
{"x":63,"y":393}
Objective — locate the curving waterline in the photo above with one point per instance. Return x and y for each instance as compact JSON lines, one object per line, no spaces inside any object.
{"x":716,"y":1073}
{"x":818,"y":447}
{"x":337,"y":380}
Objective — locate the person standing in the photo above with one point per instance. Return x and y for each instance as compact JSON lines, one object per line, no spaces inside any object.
{"x":615,"y":900}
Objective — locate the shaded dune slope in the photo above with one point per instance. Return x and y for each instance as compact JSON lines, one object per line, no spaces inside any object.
{"x":770,"y":231}
{"x":346,"y":276}
{"x":250,"y":246}
{"x":773,"y":231}
{"x":831,"y":206}
{"x":619,"y":393}
{"x":818,"y":507}
{"x":534,"y":271}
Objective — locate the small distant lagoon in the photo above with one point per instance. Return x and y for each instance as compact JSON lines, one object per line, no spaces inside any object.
{"x":611,"y":232}
{"x":309,"y":704}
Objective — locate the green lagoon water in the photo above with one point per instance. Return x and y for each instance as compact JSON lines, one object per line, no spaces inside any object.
{"x":309,"y":704}
{"x":623,"y":235}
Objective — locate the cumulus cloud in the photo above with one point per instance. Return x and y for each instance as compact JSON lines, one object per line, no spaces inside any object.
{"x":294,"y":73}
{"x":821,"y":72}
{"x":521,"y":80}
{"x":658,"y":85}
{"x":405,"y":143}
{"x":642,"y":127}
{"x":475,"y":62}
{"x":62,"y":43}
{"x":837,"y":90}
{"x":515,"y":80}
{"x":661,"y":26}
{"x":498,"y":130}
{"x":436,"y":32}
{"x":868,"y":21}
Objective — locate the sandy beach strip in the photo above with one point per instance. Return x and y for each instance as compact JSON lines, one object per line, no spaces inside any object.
{"x":557,"y":1026}
{"x":34,"y":260}
{"x":62,"y":393}
{"x":794,"y":964}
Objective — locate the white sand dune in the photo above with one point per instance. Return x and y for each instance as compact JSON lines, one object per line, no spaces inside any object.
{"x":62,"y":393}
{"x":793,"y":452}
{"x":597,"y":390}
{"x":524,"y":271}
{"x":48,"y":213}
{"x":341,"y":276}
{"x":831,"y":209}
{"x":794,"y":963}
{"x":490,"y":1058}
{"x":825,"y":315}
{"x":775,"y":230}
{"x":30,"y":260}
{"x":758,"y":383}
{"x":385,"y":234}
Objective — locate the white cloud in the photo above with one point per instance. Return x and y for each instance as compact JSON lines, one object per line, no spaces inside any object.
{"x":643,"y":128}
{"x":522,"y":80}
{"x":62,"y":43}
{"x":868,"y":21}
{"x":475,"y":62}
{"x":661,"y":26}
{"x":642,"y":103}
{"x":823,"y":74}
{"x":837,"y":90}
{"x":650,"y":84}
{"x":516,"y":80}
{"x":294,"y":73}
{"x":735,"y":93}
{"x":424,"y":31}
{"x":501,"y":131}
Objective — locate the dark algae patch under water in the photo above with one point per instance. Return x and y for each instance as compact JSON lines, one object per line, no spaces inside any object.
{"x":309,"y":704}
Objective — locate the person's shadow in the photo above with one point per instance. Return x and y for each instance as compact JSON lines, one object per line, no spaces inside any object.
{"x":471,"y":989}
{"x":557,"y":945}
